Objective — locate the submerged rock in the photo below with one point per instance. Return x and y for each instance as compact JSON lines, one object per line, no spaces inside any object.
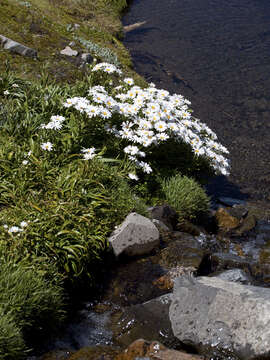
{"x":145,"y":350}
{"x":149,"y":320}
{"x":221,"y":318}
{"x":137,"y":235}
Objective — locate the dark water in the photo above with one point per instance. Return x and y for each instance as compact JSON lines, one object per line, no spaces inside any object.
{"x":217,"y":54}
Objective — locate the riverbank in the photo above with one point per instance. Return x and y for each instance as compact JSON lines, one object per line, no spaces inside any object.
{"x":84,"y":142}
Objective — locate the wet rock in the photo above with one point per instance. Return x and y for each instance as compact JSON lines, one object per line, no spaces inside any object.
{"x":145,"y":350}
{"x":166,"y":214}
{"x":188,"y":227}
{"x":221,"y":318}
{"x":68,"y":51}
{"x":238,"y":211}
{"x":133,"y":282}
{"x":225,"y":220}
{"x":181,"y":250}
{"x":235,"y":275}
{"x":224,"y":261}
{"x":95,"y":353}
{"x":137,"y":235}
{"x":248,"y":224}
{"x":228,"y":201}
{"x":17,"y":48}
{"x":149,"y":320}
{"x":166,"y":281}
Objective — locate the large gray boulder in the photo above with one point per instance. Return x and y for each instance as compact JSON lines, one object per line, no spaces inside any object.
{"x":16,"y":47}
{"x":221,"y":318}
{"x":137,"y":235}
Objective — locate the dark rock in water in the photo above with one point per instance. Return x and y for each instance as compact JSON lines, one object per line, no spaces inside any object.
{"x":221,"y":318}
{"x":238,"y":211}
{"x":149,"y":320}
{"x":17,"y":48}
{"x":166,"y":214}
{"x":134,"y":282}
{"x":145,"y":350}
{"x":137,"y":235}
{"x":223,"y":261}
{"x":247,"y":225}
{"x":235,"y":275}
{"x":181,"y":250}
{"x":95,"y":353}
{"x":228,"y":201}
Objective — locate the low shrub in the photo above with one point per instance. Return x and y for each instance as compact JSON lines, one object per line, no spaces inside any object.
{"x":186,"y":196}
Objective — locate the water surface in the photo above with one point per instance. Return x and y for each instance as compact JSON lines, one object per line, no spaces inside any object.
{"x":217,"y":54}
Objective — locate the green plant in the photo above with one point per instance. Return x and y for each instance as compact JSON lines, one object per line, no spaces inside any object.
{"x":12,"y":345}
{"x":186,"y":196}
{"x":34,"y":303}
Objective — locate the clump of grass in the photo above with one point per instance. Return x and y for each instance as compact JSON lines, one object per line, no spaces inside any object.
{"x":186,"y":196}
{"x":29,"y":304}
{"x":12,"y":345}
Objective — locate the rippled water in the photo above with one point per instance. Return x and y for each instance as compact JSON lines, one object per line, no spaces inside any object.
{"x":217,"y":54}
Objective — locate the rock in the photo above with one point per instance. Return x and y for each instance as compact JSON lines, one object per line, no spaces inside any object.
{"x":166,"y":281}
{"x":149,"y":320}
{"x":166,"y":214}
{"x":221,"y":318}
{"x":133,"y":282}
{"x":144,"y":350}
{"x":223,"y":261}
{"x":137,"y":235}
{"x":225,"y":220}
{"x":228,"y":201}
{"x":68,"y":51}
{"x":87,"y":58}
{"x":238,"y":211}
{"x":181,"y":250}
{"x":160,"y":225}
{"x":132,"y":27}
{"x":17,"y":48}
{"x":95,"y":353}
{"x":248,"y":224}
{"x":236,"y":275}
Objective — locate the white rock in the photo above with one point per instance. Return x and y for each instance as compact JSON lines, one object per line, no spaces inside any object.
{"x":137,"y":235}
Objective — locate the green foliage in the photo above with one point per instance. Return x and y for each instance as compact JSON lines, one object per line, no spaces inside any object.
{"x":12,"y":345}
{"x":27,"y":297}
{"x":186,"y":196}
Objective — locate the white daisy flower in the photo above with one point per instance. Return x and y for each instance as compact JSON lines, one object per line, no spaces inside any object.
{"x":88,"y":153}
{"x":133,"y":176}
{"x":47,"y":146}
{"x":129,"y":81}
{"x":160,"y":126}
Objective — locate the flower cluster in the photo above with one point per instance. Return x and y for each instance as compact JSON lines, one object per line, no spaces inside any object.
{"x":149,"y":116}
{"x":16,"y":229}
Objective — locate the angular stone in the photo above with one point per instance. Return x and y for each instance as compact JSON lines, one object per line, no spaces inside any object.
{"x":137,"y":235}
{"x":221,"y":318}
{"x":145,"y":350}
{"x":166,"y":214}
{"x":17,"y":48}
{"x":68,"y":51}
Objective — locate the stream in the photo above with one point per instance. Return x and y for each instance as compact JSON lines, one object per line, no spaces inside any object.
{"x":216,"y":54}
